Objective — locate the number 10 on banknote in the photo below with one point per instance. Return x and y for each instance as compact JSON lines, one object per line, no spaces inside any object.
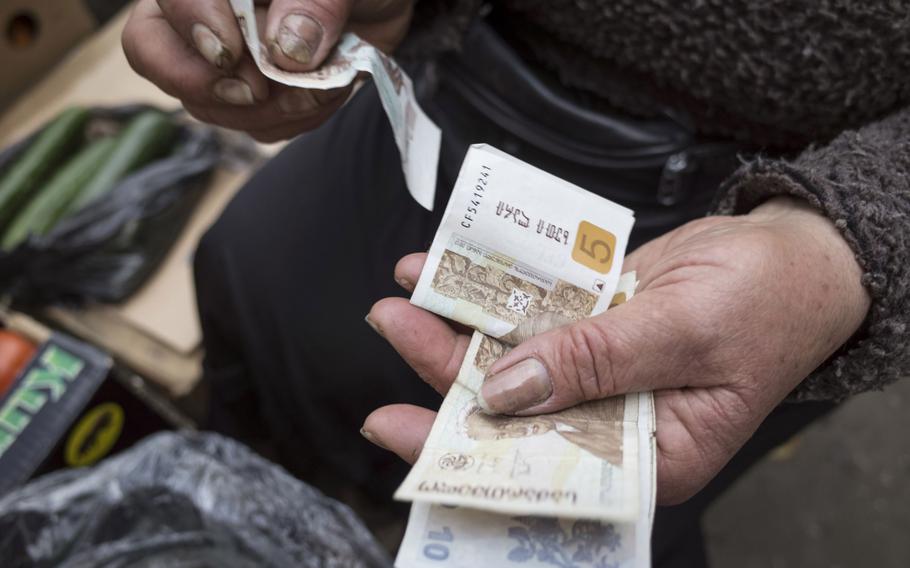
{"x":517,"y":243}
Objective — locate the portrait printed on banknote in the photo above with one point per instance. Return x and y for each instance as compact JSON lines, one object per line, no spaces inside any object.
{"x":595,"y":426}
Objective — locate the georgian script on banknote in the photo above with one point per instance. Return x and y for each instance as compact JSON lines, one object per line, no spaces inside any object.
{"x":459,"y":537}
{"x":462,"y":537}
{"x":417,"y":137}
{"x":517,"y":244}
{"x":579,"y":462}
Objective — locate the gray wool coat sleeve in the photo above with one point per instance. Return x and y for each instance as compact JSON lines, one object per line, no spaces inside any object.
{"x":861,"y":181}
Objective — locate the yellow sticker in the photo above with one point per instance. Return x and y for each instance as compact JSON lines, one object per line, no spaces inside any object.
{"x":594,"y":247}
{"x":618,"y":298}
{"x":94,"y":435}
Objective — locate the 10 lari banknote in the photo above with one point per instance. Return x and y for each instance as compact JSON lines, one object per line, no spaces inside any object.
{"x":473,"y":534}
{"x":520,"y":251}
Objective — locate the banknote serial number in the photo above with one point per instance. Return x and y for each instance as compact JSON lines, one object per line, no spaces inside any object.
{"x":480,"y":190}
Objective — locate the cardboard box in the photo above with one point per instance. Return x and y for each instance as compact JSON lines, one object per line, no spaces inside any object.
{"x":36,"y":35}
{"x":156,"y":332}
{"x":71,"y":407}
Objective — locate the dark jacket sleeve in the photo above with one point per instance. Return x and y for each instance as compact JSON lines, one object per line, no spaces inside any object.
{"x":861,"y":181}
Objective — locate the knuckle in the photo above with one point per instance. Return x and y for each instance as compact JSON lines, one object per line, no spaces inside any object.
{"x":330,"y":12}
{"x":200,"y":113}
{"x":130,"y":46}
{"x":187,"y":85}
{"x":178,"y":7}
{"x":699,"y":327}
{"x":451,"y":367}
{"x":726,"y":407}
{"x":589,"y":357}
{"x":750,"y":249}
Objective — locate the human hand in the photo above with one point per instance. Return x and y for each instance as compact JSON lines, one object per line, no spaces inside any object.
{"x":730,"y":315}
{"x":194,"y":51}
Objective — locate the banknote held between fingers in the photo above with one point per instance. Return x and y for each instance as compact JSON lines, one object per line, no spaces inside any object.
{"x":521,"y":386}
{"x":587,"y":360}
{"x":192,"y":51}
{"x":195,"y":51}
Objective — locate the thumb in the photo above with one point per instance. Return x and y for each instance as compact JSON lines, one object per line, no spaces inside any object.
{"x":634,"y":347}
{"x":301,"y":33}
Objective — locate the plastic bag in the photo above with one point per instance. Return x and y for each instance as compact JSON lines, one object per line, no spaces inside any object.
{"x":189,"y":499}
{"x":105,"y":251}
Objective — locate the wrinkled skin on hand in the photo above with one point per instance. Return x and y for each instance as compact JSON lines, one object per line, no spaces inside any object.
{"x":193,"y":50}
{"x":730,"y":315}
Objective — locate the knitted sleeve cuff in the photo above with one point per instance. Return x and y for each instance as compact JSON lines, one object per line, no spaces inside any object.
{"x":861,"y":181}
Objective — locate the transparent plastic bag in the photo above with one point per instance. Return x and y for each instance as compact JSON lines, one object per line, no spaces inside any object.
{"x":181,"y":500}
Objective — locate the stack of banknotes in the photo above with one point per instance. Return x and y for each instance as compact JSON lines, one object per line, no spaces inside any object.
{"x":519,"y":251}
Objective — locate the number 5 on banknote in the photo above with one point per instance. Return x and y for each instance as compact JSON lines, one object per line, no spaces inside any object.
{"x":518,"y":244}
{"x":594,"y":247}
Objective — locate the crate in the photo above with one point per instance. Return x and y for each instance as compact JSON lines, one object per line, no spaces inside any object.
{"x":71,"y":407}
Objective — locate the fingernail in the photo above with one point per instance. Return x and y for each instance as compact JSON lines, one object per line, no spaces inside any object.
{"x":371,"y":438}
{"x":299,"y":36}
{"x":372,"y":324}
{"x":210,"y":46}
{"x":297,"y":101}
{"x":233,"y":91}
{"x":519,"y":387}
{"x":405,"y":284}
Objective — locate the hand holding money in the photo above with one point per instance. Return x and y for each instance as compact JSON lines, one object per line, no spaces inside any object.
{"x":703,"y":331}
{"x":518,"y":252}
{"x":194,"y":51}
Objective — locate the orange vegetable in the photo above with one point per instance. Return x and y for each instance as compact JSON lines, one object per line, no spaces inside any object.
{"x":15,"y":353}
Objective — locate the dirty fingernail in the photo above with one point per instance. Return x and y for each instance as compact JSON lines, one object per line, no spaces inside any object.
{"x":371,"y":438}
{"x":299,"y":36}
{"x":233,"y":91}
{"x":297,"y":101}
{"x":210,"y":46}
{"x":519,"y":387}
{"x":372,"y":324}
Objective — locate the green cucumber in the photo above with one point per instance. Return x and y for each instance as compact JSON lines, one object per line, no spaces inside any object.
{"x":43,"y":211}
{"x":143,"y":139}
{"x":37,"y":161}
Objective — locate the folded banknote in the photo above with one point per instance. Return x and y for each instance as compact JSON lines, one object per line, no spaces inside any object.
{"x":417,"y":137}
{"x":517,"y":245}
